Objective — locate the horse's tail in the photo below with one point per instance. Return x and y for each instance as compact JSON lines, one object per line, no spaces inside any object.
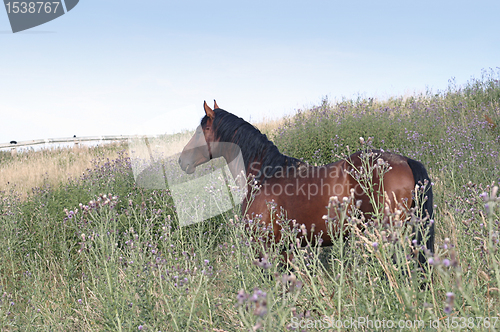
{"x":424,"y":194}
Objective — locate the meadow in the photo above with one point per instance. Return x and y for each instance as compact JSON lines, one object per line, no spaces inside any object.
{"x":84,"y":248}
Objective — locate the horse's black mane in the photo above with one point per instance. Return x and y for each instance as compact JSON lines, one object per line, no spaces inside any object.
{"x":255,"y":146}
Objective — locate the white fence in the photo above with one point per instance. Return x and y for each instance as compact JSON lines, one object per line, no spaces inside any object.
{"x":75,"y":140}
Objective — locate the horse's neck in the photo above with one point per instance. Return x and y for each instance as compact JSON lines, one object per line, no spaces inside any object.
{"x":236,"y":165}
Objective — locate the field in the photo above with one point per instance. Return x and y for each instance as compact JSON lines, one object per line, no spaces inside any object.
{"x":84,"y":248}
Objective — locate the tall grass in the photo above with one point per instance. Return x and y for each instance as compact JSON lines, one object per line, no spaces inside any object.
{"x":98,"y":253}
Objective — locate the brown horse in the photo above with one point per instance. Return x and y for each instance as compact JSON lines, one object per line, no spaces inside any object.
{"x":304,"y":191}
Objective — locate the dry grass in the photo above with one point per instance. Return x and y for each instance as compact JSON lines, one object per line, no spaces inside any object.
{"x":268,"y":126}
{"x":30,"y":169}
{"x":54,"y":166}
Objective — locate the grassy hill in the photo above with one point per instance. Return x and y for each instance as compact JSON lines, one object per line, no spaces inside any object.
{"x":89,"y":250}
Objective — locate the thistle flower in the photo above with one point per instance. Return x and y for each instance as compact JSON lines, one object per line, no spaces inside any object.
{"x":303,"y":229}
{"x":263,"y":262}
{"x":450,"y":299}
{"x":241,"y":297}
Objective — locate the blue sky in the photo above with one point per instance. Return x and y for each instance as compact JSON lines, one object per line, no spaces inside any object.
{"x":131,"y":67}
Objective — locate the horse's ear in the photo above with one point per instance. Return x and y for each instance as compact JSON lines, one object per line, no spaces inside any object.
{"x":208,"y":111}
{"x":215,"y":105}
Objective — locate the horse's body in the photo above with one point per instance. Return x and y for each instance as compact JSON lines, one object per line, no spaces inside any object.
{"x":302,"y":191}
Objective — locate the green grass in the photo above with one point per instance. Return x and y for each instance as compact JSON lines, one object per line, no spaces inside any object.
{"x":99,"y":253}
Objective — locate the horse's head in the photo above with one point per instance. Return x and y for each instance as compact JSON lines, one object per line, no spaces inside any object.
{"x":200,"y":148}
